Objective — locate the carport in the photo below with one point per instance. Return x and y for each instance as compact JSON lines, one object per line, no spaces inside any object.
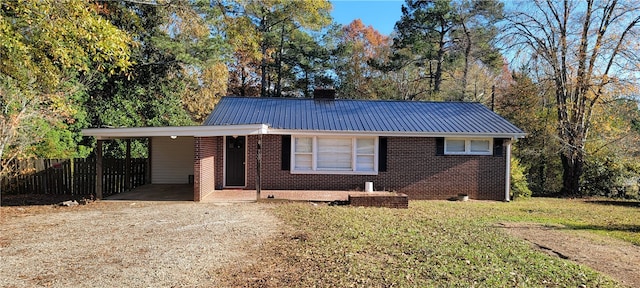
{"x":174,"y":154}
{"x":156,"y":192}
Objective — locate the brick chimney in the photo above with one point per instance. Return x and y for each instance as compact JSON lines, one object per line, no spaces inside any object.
{"x":324,"y":94}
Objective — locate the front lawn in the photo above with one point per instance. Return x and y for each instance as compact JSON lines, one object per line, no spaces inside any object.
{"x":434,"y":243}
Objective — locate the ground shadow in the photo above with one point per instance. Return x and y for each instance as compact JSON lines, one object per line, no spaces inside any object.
{"x":615,"y":227}
{"x":41,"y":199}
{"x":623,"y":203}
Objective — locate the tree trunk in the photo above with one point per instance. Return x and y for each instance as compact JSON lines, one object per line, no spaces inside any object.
{"x":467,"y":55}
{"x":263,"y":63}
{"x":263,"y":71}
{"x":572,"y":171}
{"x":279,"y":67}
{"x":437,"y":78}
{"x":243,"y":82}
{"x":1,"y":179}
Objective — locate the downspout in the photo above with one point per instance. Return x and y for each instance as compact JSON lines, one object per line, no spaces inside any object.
{"x":259,"y":168}
{"x":507,"y":179}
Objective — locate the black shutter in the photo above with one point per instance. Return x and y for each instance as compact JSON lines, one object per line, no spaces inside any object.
{"x":382,"y":154}
{"x":439,"y":146}
{"x":286,"y":152}
{"x":497,"y":147}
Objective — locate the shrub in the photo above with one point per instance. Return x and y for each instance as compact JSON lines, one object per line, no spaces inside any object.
{"x":609,"y":176}
{"x":519,"y":184}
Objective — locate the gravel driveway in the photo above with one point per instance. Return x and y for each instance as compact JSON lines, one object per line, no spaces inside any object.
{"x":120,"y":244}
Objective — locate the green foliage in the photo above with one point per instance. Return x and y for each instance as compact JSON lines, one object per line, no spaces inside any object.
{"x":274,"y":45}
{"x":518,"y":100}
{"x":51,"y":39}
{"x":178,"y":73}
{"x":519,"y":184}
{"x":47,"y":50}
{"x":452,"y":43}
{"x":610,"y":176}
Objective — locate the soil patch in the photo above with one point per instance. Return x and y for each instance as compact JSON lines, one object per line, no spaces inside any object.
{"x":616,"y":258}
{"x":129,"y":244}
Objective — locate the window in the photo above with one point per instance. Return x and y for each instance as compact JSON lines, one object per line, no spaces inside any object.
{"x":335,"y":155}
{"x":457,"y":146}
{"x":303,"y":153}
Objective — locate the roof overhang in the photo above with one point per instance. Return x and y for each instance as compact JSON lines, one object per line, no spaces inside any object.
{"x":397,"y":133}
{"x":257,"y":129}
{"x":193,"y":131}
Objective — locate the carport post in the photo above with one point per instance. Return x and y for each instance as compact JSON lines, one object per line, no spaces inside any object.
{"x":99,"y":170}
{"x":127,"y":167}
{"x":258,"y":164}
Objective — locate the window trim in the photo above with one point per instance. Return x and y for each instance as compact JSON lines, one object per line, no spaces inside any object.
{"x":467,"y":146}
{"x":354,"y":155}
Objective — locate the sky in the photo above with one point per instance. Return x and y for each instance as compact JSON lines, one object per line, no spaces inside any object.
{"x":381,"y":14}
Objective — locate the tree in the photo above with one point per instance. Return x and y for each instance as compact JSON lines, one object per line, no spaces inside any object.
{"x":305,"y":61}
{"x":179,"y":71}
{"x":474,"y":37}
{"x":450,"y":35}
{"x":585,"y":49}
{"x":424,"y":29}
{"x":358,"y":45}
{"x":264,"y":27}
{"x":527,"y":105}
{"x":47,"y":48}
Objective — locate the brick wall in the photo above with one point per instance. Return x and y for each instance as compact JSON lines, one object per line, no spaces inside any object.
{"x":204,"y":166}
{"x":399,"y":201}
{"x":413,"y":168}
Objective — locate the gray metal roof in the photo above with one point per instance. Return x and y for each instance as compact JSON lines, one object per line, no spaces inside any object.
{"x":361,"y":116}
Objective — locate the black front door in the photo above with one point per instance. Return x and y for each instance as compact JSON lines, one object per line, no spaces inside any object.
{"x":235,"y":161}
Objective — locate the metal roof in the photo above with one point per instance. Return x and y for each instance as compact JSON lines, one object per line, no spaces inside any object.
{"x":362,"y":116}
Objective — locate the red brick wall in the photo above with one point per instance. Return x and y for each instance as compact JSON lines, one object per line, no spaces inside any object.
{"x":413,"y":168}
{"x":399,"y":201}
{"x":219,"y":144}
{"x":204,"y":162}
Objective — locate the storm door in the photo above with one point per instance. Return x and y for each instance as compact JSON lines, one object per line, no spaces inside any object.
{"x":235,"y":155}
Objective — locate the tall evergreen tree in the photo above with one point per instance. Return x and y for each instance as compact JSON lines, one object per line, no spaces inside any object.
{"x":440,"y":37}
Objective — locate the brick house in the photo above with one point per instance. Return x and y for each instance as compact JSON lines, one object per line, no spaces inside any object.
{"x":427,"y":150}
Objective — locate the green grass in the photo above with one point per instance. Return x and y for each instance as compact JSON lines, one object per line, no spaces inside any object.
{"x":618,"y":219}
{"x":433,"y":244}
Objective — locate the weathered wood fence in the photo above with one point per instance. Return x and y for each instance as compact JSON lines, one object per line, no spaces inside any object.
{"x":74,"y":176}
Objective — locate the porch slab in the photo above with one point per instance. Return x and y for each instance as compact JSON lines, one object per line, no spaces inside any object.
{"x":184,"y":192}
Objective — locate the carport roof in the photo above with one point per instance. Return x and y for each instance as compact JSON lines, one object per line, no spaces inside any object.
{"x":182,"y":131}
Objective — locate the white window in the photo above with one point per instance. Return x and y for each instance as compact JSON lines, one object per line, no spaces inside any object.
{"x":334,"y":155}
{"x":303,"y":153}
{"x":461,"y":146}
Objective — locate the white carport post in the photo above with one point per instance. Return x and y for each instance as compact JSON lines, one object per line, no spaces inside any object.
{"x":507,"y":179}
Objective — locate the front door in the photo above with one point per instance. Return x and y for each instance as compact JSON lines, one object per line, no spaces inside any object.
{"x":235,"y":161}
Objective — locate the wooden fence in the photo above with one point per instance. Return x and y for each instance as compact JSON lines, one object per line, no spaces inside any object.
{"x":74,"y":176}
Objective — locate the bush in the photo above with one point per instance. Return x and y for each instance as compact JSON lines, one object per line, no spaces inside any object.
{"x":609,"y":176}
{"x":519,"y":184}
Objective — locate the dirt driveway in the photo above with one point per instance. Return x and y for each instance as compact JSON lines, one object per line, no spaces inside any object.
{"x":123,"y":244}
{"x":618,"y":259}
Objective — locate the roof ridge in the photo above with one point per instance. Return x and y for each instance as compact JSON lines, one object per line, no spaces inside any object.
{"x":354,"y":100}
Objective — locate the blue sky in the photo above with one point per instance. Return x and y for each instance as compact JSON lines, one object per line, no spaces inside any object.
{"x":381,"y":14}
